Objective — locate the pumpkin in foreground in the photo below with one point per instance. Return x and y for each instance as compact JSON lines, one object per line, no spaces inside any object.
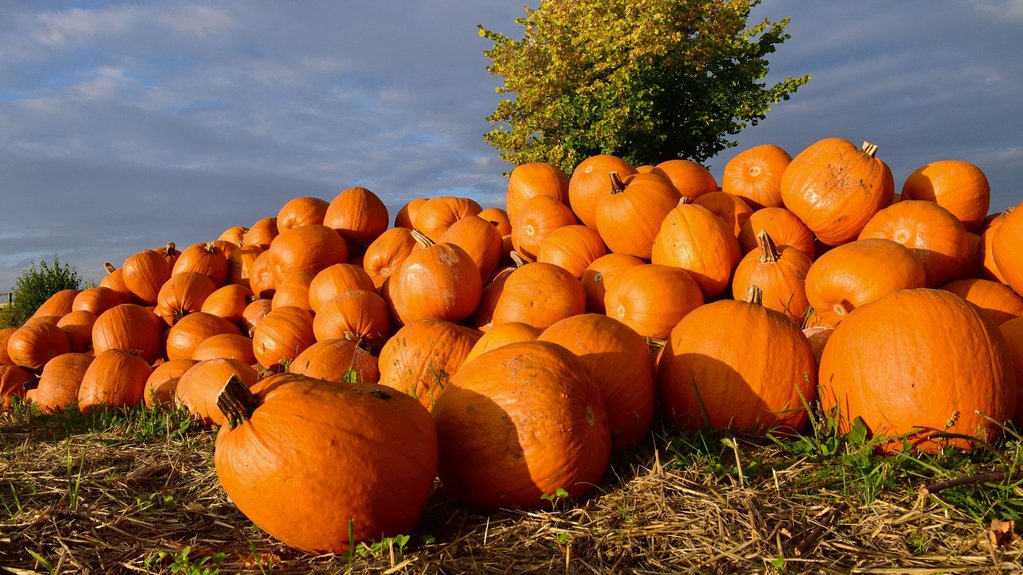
{"x":916,"y":362}
{"x":321,"y":465}
{"x":520,"y":422}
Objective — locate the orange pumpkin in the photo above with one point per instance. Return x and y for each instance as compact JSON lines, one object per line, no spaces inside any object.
{"x":694,"y":239}
{"x":375,"y":454}
{"x":385,"y":254}
{"x":1005,"y":249}
{"x":58,"y":304}
{"x":988,"y":267}
{"x":97,"y":300}
{"x":997,"y":302}
{"x":539,"y":294}
{"x":755,"y":175}
{"x":914,"y":362}
{"x":59,"y":382}
{"x":358,"y":315}
{"x":279,"y":336}
{"x":480,"y":239}
{"x":335,"y":280}
{"x":129,"y":327}
{"x":407,"y":213}
{"x":629,"y":215}
{"x":690,"y":178}
{"x":784,"y":228}
{"x":572,"y":248}
{"x":114,"y":378}
{"x":13,"y":380}
{"x":440,"y":281}
{"x":199,"y":385}
{"x":600,"y":273}
{"x":959,"y":187}
{"x":519,"y":422}
{"x":163,"y":380}
{"x":206,"y":258}
{"x":35,"y":343}
{"x":228,"y":302}
{"x":652,"y":298}
{"x":835,"y":187}
{"x":534,"y":179}
{"x":301,"y":211}
{"x":306,"y":248}
{"x":182,"y":294}
{"x":333,"y":359}
{"x":436,"y":215}
{"x":293,"y":290}
{"x":536,"y":218}
{"x":420,"y":358}
{"x":77,"y":326}
{"x":500,"y":335}
{"x":589,"y":183}
{"x":358,"y":214}
{"x":729,"y":207}
{"x":144,"y":274}
{"x":780,"y":273}
{"x":5,"y":334}
{"x":228,"y":345}
{"x":261,"y":233}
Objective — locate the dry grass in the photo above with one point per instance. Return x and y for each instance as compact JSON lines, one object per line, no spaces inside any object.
{"x":105,"y":501}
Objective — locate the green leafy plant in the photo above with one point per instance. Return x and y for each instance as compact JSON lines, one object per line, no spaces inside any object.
{"x":34,"y":285}
{"x":646,"y":80}
{"x":182,"y":562}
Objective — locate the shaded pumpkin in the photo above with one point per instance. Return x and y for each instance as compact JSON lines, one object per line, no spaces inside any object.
{"x":589,"y":183}
{"x":77,"y":326}
{"x":14,"y":381}
{"x":59,"y":304}
{"x":59,"y":382}
{"x":280,"y":335}
{"x":694,"y":239}
{"x":732,"y":209}
{"x":5,"y":334}
{"x":301,"y":211}
{"x":358,"y":214}
{"x":185,"y":335}
{"x":182,"y":294}
{"x":1012,"y":333}
{"x":997,"y":302}
{"x":375,"y":452}
{"x":384,"y":256}
{"x":162,"y":382}
{"x":225,"y":346}
{"x":129,"y":327}
{"x":198,"y":387}
{"x":240,"y":265}
{"x":600,"y":273}
{"x":500,"y":335}
{"x":1005,"y":249}
{"x":480,"y":239}
{"x":337,"y":360}
{"x":988,"y":267}
{"x":228,"y":302}
{"x":114,"y":378}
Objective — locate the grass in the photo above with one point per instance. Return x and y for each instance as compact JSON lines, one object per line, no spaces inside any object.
{"x":135,"y":491}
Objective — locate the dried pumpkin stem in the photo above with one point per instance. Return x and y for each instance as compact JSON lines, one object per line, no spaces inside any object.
{"x":617,"y":185}
{"x":768,"y":250}
{"x":755,"y":295}
{"x":422,"y":239}
{"x":109,"y":267}
{"x":869,"y":149}
{"x":237,"y":402}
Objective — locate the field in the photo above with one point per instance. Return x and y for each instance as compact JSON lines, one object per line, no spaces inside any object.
{"x":135,"y":492}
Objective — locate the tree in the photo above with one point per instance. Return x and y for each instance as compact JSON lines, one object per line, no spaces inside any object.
{"x":34,"y":286}
{"x":647,"y":80}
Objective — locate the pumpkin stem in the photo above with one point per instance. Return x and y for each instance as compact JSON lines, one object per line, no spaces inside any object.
{"x":869,"y":149}
{"x":684,"y":200}
{"x":237,"y":401}
{"x":109,"y":267}
{"x":654,"y":344}
{"x":518,"y":259}
{"x":755,"y":295}
{"x":210,"y":247}
{"x":768,"y":250}
{"x":422,"y":239}
{"x":617,"y":185}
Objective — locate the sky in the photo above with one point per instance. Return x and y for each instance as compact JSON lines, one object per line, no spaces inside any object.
{"x":125,"y":125}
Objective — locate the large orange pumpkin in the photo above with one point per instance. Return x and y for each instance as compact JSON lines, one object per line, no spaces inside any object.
{"x":652,"y":298}
{"x":958,"y":186}
{"x":420,"y":358}
{"x":279,"y":336}
{"x":301,"y":211}
{"x":590,"y":182}
{"x":536,"y":218}
{"x":385,"y":254}
{"x":206,"y":258}
{"x":600,"y":274}
{"x":306,"y":248}
{"x":539,"y":294}
{"x":358,"y":214}
{"x":129,"y":327}
{"x":696,"y":240}
{"x":629,"y":215}
{"x":1005,"y":248}
{"x":572,"y":248}
{"x":199,"y":385}
{"x":35,"y":343}
{"x":835,"y":187}
{"x":114,"y":378}
{"x":333,"y":359}
{"x":780,"y":273}
{"x":436,"y":215}
{"x":915,"y":362}
{"x":440,"y":281}
{"x":997,"y":302}
{"x":755,"y":175}
{"x":690,"y":178}
{"x":534,"y":179}
{"x":324,"y":466}
{"x":520,"y":422}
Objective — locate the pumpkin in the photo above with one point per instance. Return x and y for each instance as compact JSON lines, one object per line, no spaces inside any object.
{"x":1005,"y":249}
{"x":407,"y":213}
{"x":97,"y":300}
{"x":35,"y":343}
{"x":306,"y":248}
{"x":162,"y":382}
{"x":851,"y":275}
{"x":835,"y":187}
{"x":261,"y":233}
{"x":228,"y":345}
{"x":331,"y":282}
{"x":206,"y":258}
{"x":302,"y":211}
{"x":322,"y":466}
{"x":629,"y":215}
{"x":589,"y":183}
{"x":935,"y":236}
{"x":784,"y":228}
{"x":5,"y":335}
{"x":755,"y":175}
{"x":182,"y":294}
{"x":198,"y":387}
{"x":436,"y":215}
{"x":652,"y":298}
{"x":734,"y":364}
{"x":618,"y":359}
{"x":480,"y":239}
{"x":780,"y":273}
{"x":261,"y":277}
{"x":536,"y":218}
{"x":997,"y":302}
{"x":520,"y":422}
{"x":1012,"y":333}
{"x":914,"y":362}
{"x":958,"y":186}
{"x":13,"y":380}
{"x":385,"y":254}
{"x":59,"y":382}
{"x":572,"y":248}
{"x":185,"y":335}
{"x":59,"y":303}
{"x":129,"y":327}
{"x":500,"y":335}
{"x":988,"y":267}
{"x":228,"y":302}
{"x":115,"y":378}
{"x":440,"y":280}
{"x":690,"y":178}
{"x":254,"y":312}
{"x":420,"y":358}
{"x":600,"y":273}
{"x":280,"y":335}
{"x":732,"y":209}
{"x":534,"y":179}
{"x":539,"y":294}
{"x":293,"y":290}
{"x":233,"y":234}
{"x":361,"y":316}
{"x":358,"y":214}
{"x":77,"y":326}
{"x":499,"y":218}
{"x":145,"y":273}
{"x":115,"y":281}
{"x":332,"y":359}
{"x":694,"y":239}
{"x":818,"y":336}
{"x":240,"y":265}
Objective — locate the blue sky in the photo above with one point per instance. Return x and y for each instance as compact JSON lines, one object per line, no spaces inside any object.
{"x":127,"y":125}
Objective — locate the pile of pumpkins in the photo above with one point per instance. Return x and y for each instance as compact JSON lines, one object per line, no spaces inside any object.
{"x":510,"y":351}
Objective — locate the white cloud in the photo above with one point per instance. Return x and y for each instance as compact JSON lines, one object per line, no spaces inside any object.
{"x":197,"y":20}
{"x":78,"y":25}
{"x":1004,"y":10}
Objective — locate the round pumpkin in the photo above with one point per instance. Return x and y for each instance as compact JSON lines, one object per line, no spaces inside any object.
{"x":35,"y":343}
{"x":958,"y":186}
{"x":185,"y":336}
{"x":97,"y":300}
{"x":162,"y":382}
{"x":337,"y":360}
{"x":182,"y":294}
{"x":500,"y":335}
{"x":358,"y":214}
{"x":129,"y":327}
{"x":306,"y":248}
{"x":198,"y":387}
{"x":755,"y":175}
{"x":780,"y":273}
{"x":59,"y":304}
{"x":534,"y":179}
{"x":629,"y":215}
{"x":997,"y":302}
{"x":784,"y":228}
{"x":520,"y":422}
{"x":690,"y":178}
{"x":590,"y":182}
{"x":652,"y":298}
{"x":572,"y":248}
{"x":59,"y":382}
{"x":536,"y":218}
{"x":440,"y":280}
{"x":600,"y":274}
{"x":384,"y":256}
{"x":539,"y":294}
{"x":261,"y":233}
{"x":420,"y":358}
{"x":694,"y":239}
{"x":280,"y":335}
{"x":358,"y":315}
{"x":436,"y":215}
{"x":13,"y":380}
{"x":206,"y":258}
{"x":301,"y":211}
{"x":231,"y":345}
{"x":914,"y":362}
{"x":114,"y":378}
{"x":323,"y":466}
{"x":1006,"y":251}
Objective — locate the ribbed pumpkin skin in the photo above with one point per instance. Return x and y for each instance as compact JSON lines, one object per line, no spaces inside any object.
{"x":997,"y":302}
{"x":358,"y":214}
{"x":144,"y":273}
{"x":306,"y":248}
{"x":375,"y":454}
{"x":534,"y":179}
{"x":619,"y":360}
{"x":519,"y":422}
{"x":851,"y":275}
{"x":199,"y":385}
{"x":161,"y":383}
{"x":1012,"y":333}
{"x":182,"y":294}
{"x":589,"y":182}
{"x":539,"y":294}
{"x":58,"y":304}
{"x":780,"y":273}
{"x":261,"y":233}
{"x":986,"y":253}
{"x":384,"y":256}
{"x":935,"y":236}
{"x":192,"y":330}
{"x":436,"y":215}
{"x":600,"y":273}
{"x":115,"y":378}
{"x":281,"y":335}
{"x":959,"y":187}
{"x":440,"y":281}
{"x":834,"y":187}
{"x":572,"y":248}
{"x":421,"y":357}
{"x":755,"y":175}
{"x":301,"y":211}
{"x":784,"y":228}
{"x":694,"y":239}
{"x":5,"y":334}
{"x":690,"y":178}
{"x":228,"y":302}
{"x":358,"y":315}
{"x":731,"y":208}
{"x":206,"y":258}
{"x":537,"y":218}
{"x":500,"y":335}
{"x":629,"y":217}
{"x":1006,"y":251}
{"x":12,"y":383}
{"x":652,"y":298}
{"x":737,"y":365}
{"x":480,"y":239}
{"x":126,"y":327}
{"x":35,"y":343}
{"x":407,"y":213}
{"x":225,"y":345}
{"x":96,"y":300}
{"x":918,"y":358}
{"x":77,"y":326}
{"x":331,"y":359}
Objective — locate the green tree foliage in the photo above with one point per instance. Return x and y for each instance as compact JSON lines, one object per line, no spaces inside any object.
{"x":34,"y":286}
{"x":647,"y":80}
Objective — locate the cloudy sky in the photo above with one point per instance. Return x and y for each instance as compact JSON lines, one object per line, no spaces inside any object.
{"x":124,"y":125}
